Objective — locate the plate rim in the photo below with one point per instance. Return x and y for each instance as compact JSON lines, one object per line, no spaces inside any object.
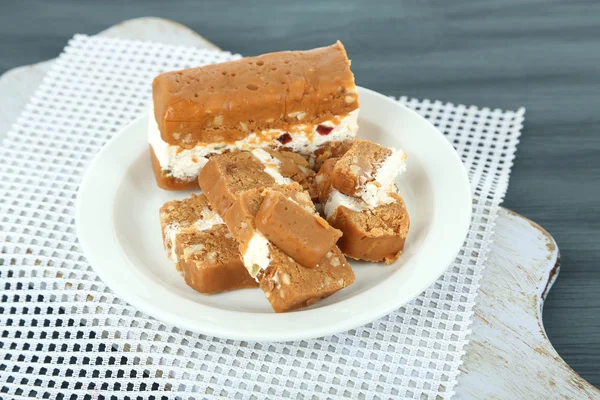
{"x":348,"y":317}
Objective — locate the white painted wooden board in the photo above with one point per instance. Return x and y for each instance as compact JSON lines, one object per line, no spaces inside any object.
{"x":509,"y":356}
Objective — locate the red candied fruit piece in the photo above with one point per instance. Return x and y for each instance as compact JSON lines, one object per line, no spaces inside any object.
{"x":324,"y":130}
{"x":285,"y":138}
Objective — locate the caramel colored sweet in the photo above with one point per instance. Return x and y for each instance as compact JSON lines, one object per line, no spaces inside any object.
{"x":287,"y":284}
{"x":358,"y":166}
{"x":323,"y":180}
{"x":330,"y":150}
{"x":295,"y":167}
{"x":298,"y":231}
{"x":224,"y":102}
{"x":177,"y":215}
{"x":168,"y":182}
{"x":376,"y":235}
{"x":210,"y":261}
{"x":240,"y":218}
{"x":201,"y":246}
{"x":227,"y":175}
{"x":373,"y":235}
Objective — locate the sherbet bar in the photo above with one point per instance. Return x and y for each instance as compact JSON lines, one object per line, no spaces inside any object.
{"x":370,"y":232}
{"x":304,"y":101}
{"x":374,"y":235}
{"x":201,"y":246}
{"x":287,"y":284}
{"x":368,"y":170}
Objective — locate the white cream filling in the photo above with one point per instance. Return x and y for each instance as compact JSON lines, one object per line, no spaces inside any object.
{"x":305,"y":145}
{"x":337,"y":199}
{"x":374,"y":193}
{"x":171,"y":232}
{"x":208,"y":219}
{"x":377,"y":192}
{"x":186,"y":164}
{"x":271,"y":166}
{"x":181,"y":163}
{"x":256,"y":257}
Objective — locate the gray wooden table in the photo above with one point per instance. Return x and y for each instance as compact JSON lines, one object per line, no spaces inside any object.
{"x":543,"y":55}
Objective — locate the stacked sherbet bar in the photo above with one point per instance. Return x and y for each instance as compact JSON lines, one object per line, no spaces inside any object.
{"x":302,"y":101}
{"x":361,"y":199}
{"x":201,"y":246}
{"x":284,"y":244}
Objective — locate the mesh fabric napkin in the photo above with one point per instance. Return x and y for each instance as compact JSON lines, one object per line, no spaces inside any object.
{"x":65,"y":333}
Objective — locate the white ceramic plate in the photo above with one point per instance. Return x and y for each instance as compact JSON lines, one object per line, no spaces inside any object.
{"x":119,"y":230}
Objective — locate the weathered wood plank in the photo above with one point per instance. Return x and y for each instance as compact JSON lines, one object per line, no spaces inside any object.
{"x":509,"y":355}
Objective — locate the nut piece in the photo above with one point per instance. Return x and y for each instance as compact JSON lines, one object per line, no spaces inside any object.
{"x":218,"y":121}
{"x":254,"y":270}
{"x":270,"y":285}
{"x":303,"y":197}
{"x":285,"y":278}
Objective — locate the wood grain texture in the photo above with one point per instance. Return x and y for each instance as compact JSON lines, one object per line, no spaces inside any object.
{"x":509,"y":355}
{"x":536,"y":53}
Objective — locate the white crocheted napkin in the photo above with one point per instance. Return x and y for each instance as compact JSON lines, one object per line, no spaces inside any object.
{"x":65,"y":332}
